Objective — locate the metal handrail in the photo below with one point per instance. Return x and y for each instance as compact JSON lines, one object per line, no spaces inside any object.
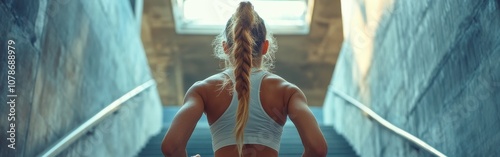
{"x":387,"y":124}
{"x":67,"y":140}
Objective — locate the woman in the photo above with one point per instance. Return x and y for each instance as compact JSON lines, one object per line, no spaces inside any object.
{"x":250,"y":121}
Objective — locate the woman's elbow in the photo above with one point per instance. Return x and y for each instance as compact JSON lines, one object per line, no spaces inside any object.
{"x":318,"y":150}
{"x":322,"y":150}
{"x":168,"y":149}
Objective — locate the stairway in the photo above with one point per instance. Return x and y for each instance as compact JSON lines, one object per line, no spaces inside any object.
{"x":291,"y":145}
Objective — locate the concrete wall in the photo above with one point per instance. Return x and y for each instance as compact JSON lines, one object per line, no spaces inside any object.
{"x":429,"y":67}
{"x":72,"y":59}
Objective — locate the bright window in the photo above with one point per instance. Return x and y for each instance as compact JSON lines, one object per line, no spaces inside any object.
{"x":210,"y":16}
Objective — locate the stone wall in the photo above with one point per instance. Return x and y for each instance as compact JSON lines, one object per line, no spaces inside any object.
{"x":429,"y":67}
{"x":72,"y":59}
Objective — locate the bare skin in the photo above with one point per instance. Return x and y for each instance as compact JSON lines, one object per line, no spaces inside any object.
{"x":279,"y":99}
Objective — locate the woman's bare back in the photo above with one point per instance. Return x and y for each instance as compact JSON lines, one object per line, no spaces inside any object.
{"x":273,"y":99}
{"x":244,"y":45}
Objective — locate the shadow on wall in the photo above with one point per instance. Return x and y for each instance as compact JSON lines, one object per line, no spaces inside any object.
{"x":362,"y":20}
{"x":73,"y":58}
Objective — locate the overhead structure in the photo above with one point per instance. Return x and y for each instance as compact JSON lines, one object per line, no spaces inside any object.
{"x":291,"y":17}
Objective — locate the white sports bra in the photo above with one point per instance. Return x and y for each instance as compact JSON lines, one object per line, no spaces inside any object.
{"x":260,"y":128}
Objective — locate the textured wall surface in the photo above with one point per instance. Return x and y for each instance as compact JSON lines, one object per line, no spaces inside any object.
{"x":177,"y":61}
{"x":72,"y":59}
{"x":429,"y":67}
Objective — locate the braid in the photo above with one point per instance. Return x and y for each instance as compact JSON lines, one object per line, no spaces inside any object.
{"x":242,"y":51}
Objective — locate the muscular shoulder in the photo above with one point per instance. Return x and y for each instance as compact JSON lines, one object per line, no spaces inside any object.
{"x":208,"y":83}
{"x":282,"y":85}
{"x":280,"y":82}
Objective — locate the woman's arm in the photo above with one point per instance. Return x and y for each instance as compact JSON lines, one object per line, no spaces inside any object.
{"x":309,"y":131}
{"x":175,"y":141}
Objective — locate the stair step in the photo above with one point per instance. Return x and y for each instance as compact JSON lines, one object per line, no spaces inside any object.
{"x":291,"y":145}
